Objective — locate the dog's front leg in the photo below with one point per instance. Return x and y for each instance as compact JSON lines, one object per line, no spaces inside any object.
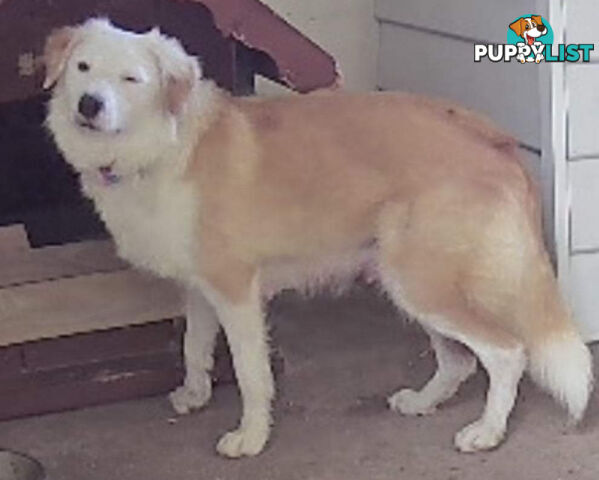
{"x":240,"y":314}
{"x":200,"y":334}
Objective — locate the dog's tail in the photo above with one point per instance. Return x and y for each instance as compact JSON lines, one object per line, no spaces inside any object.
{"x":559,"y":361}
{"x":561,"y":364}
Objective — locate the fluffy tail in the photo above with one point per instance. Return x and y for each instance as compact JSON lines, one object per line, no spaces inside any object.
{"x":558,"y":359}
{"x":561,"y":364}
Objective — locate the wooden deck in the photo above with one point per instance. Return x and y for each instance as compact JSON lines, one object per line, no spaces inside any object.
{"x":80,"y":327}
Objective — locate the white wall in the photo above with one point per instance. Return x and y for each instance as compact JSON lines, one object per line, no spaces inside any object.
{"x":427,"y":47}
{"x":345,"y":28}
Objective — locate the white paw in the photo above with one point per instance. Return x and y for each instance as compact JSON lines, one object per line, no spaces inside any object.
{"x":243,"y":442}
{"x":185,"y":399}
{"x":478,"y":436}
{"x":410,"y":402}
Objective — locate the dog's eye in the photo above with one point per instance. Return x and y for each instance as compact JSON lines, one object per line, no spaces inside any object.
{"x":83,"y":66}
{"x":527,"y":27}
{"x":130,"y":79}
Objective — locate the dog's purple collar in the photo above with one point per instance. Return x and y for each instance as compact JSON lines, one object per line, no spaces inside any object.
{"x":108,"y":176}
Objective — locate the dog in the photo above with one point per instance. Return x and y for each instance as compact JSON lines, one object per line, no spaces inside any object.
{"x":238,"y":198}
{"x":530,"y":29}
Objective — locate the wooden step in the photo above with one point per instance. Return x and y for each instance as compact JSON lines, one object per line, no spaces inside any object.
{"x":24,"y":265}
{"x":82,"y":304}
{"x":81,"y":287}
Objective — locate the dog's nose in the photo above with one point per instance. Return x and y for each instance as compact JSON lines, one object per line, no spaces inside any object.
{"x":90,"y":106}
{"x":541,"y":28}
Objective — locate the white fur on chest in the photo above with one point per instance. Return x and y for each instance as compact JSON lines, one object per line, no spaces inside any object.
{"x":153,"y":222}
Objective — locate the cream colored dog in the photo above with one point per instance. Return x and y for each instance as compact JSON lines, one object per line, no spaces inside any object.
{"x":238,"y":198}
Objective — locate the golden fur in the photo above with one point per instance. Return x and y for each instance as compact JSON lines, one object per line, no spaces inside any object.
{"x":312,"y":176}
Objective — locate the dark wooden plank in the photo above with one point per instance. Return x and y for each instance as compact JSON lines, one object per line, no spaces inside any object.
{"x":11,"y":362}
{"x":90,"y":369}
{"x":32,"y":398}
{"x":101,"y":367}
{"x":115,"y":370}
{"x":133,"y":341}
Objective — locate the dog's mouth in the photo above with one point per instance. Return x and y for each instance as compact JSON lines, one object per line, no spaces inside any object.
{"x":86,"y":125}
{"x":92,"y":127}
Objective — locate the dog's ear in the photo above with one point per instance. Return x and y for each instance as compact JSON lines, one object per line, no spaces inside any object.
{"x":58,"y":49}
{"x":517,"y":26}
{"x":537,"y":19}
{"x":179,"y":72}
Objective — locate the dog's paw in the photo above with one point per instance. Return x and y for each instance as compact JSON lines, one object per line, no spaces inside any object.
{"x":478,"y":436}
{"x":410,"y":402}
{"x":185,"y":399}
{"x":243,"y":442}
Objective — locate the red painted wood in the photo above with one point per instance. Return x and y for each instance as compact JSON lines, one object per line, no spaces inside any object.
{"x":301,"y":64}
{"x":11,"y":362}
{"x":122,"y":343}
{"x":90,"y":369}
{"x":71,"y":389}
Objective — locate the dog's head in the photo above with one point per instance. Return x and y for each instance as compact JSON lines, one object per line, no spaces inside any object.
{"x":114,"y":86}
{"x":529,"y":28}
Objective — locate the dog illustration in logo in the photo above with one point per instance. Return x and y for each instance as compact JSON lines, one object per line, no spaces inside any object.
{"x":530,"y":29}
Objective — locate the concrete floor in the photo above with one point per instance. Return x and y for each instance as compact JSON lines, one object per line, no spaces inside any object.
{"x":343,"y":357}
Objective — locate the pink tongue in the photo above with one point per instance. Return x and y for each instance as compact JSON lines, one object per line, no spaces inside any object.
{"x":530,"y":40}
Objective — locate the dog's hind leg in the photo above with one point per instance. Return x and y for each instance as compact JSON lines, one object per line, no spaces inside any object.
{"x":201,"y":329}
{"x":501,"y":354}
{"x":504,"y":359}
{"x":428,"y":257}
{"x":454,"y":365}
